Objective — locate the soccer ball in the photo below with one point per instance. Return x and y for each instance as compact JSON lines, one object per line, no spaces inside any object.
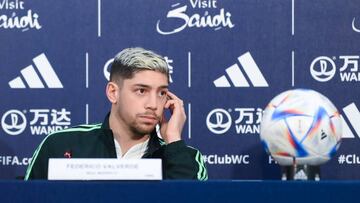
{"x":301,"y":127}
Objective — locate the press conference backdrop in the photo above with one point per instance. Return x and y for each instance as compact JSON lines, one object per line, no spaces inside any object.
{"x":227,"y":59}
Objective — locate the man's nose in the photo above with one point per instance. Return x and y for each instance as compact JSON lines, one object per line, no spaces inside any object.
{"x":152,"y":102}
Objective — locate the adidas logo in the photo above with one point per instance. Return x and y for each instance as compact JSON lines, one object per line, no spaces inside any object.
{"x":31,"y":76}
{"x":353,"y":115}
{"x":300,"y":175}
{"x":238,"y":79}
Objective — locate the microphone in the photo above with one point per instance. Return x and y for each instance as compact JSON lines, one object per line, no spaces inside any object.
{"x":68,"y":154}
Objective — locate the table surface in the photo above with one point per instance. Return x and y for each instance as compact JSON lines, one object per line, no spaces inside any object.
{"x":179,"y":191}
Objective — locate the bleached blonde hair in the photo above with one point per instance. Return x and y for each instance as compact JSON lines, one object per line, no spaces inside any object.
{"x":132,"y":60}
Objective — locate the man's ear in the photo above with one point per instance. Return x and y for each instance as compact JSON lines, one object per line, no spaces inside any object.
{"x":112,"y":91}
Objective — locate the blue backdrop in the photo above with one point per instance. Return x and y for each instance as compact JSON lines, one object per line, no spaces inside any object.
{"x":228,"y":59}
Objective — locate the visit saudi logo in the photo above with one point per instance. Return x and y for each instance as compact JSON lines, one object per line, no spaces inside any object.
{"x":204,"y":14}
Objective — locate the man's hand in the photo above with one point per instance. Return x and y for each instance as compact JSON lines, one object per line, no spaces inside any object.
{"x":171,"y":130}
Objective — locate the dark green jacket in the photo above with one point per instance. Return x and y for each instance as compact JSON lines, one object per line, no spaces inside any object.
{"x":96,"y":141}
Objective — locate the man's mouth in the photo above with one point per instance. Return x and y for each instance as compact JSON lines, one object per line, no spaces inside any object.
{"x":149,"y":118}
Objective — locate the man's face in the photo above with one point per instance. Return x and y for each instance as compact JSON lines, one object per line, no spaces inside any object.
{"x":141,"y":101}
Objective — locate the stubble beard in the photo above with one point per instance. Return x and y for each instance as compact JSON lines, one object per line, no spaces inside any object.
{"x":139,"y":130}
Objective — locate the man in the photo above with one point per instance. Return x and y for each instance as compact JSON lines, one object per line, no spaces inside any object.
{"x":139,"y":94}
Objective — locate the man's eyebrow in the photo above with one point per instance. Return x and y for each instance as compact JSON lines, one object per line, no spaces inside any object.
{"x":164,"y":87}
{"x":141,"y":85}
{"x":148,"y":86}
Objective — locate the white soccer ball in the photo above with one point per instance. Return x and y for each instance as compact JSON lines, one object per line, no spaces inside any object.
{"x":301,"y":127}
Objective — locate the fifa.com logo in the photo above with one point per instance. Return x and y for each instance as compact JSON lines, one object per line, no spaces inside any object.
{"x":324,"y":68}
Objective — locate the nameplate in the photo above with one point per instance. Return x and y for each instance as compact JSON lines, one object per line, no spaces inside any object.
{"x":104,"y":169}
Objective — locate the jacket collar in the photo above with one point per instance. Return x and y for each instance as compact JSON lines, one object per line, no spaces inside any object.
{"x":154,"y":141}
{"x":105,"y":125}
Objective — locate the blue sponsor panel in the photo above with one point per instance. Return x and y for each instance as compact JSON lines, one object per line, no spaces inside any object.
{"x":42,"y":75}
{"x":227,"y":60}
{"x":328,"y":63}
{"x":232,"y":84}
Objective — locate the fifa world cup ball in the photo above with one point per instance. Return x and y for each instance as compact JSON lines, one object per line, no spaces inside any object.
{"x":301,"y":127}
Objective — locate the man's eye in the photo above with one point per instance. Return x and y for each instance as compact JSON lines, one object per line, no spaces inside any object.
{"x":141,"y":91}
{"x":162,"y":93}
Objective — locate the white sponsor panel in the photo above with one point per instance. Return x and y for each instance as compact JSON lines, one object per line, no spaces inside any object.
{"x":204,"y":14}
{"x":15,"y":16}
{"x":39,"y":121}
{"x":104,"y":169}
{"x":32,"y":78}
{"x":237,"y":77}
{"x":242,"y":121}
